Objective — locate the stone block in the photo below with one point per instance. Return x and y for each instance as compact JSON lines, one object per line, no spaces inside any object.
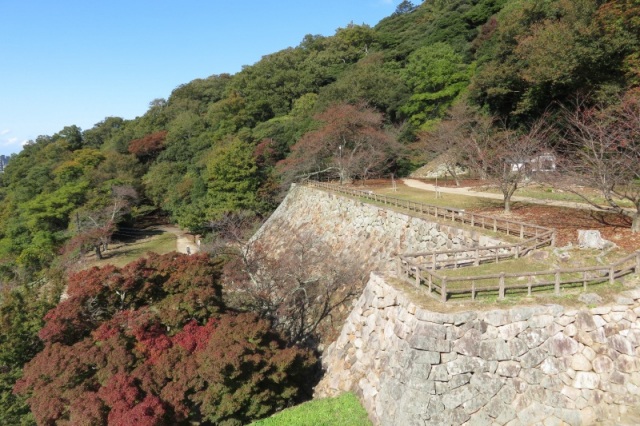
{"x":465,"y":364}
{"x":517,"y":347}
{"x":425,"y":357}
{"x":553,"y":366}
{"x":510,"y":331}
{"x":565,"y":320}
{"x":533,"y":337}
{"x":627,"y":364}
{"x":533,"y":358}
{"x":584,"y":321}
{"x":497,"y":318}
{"x":560,"y":345}
{"x":532,"y":376}
{"x":469,"y":344}
{"x":439,"y":373}
{"x":508,"y":369}
{"x":534,"y":413}
{"x":457,"y":397}
{"x":586,"y":380}
{"x":621,"y":344}
{"x":426,"y":343}
{"x":494,"y":350}
{"x":579,"y":362}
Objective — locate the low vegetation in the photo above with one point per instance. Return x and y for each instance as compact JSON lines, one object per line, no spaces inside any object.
{"x":344,"y":410}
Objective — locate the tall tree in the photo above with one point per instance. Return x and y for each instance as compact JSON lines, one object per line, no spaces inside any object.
{"x":342,"y":146}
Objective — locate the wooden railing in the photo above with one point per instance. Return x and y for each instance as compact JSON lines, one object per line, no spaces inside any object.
{"x":445,"y":259}
{"x":490,"y":223}
{"x":443,"y":287}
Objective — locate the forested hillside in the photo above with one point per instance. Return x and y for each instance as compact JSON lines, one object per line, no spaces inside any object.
{"x":364,"y":102}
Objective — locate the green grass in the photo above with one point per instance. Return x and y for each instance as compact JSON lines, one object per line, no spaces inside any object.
{"x":545,"y":192}
{"x":445,"y":200}
{"x":344,"y":410}
{"x":577,"y":259}
{"x":120,"y":254}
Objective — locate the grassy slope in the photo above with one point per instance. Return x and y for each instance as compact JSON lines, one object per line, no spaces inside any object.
{"x":344,"y":410}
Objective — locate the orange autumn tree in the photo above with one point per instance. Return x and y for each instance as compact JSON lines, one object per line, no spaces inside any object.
{"x":350,"y":143}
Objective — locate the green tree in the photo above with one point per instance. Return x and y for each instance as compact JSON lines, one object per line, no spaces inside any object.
{"x":232,"y":179}
{"x":436,"y":74}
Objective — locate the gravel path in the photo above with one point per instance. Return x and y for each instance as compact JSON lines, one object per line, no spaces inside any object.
{"x":185,"y":242}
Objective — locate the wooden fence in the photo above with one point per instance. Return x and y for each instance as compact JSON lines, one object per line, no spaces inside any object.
{"x":445,"y":259}
{"x":440,"y":285}
{"x":490,"y":223}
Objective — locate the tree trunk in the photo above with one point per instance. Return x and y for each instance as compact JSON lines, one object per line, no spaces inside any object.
{"x":98,"y":252}
{"x":635,"y":223}
{"x":507,"y":204}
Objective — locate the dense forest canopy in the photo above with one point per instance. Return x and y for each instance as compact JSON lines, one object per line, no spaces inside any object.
{"x":347,"y":106}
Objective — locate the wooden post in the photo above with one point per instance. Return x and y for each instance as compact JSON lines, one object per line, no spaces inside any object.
{"x":517,"y":250}
{"x":434,"y":261}
{"x":399,"y":266}
{"x":430,"y":281}
{"x":584,"y":280}
{"x":473,"y":290}
{"x":508,"y":227}
{"x":443,"y":289}
{"x":417,"y":277}
{"x":501,"y":294}
{"x":473,"y":219}
{"x":529,"y":285}
{"x":553,"y":238}
{"x":557,"y":287}
{"x":521,"y":230}
{"x":612,"y":275}
{"x":477,"y":259}
{"x":495,"y":225}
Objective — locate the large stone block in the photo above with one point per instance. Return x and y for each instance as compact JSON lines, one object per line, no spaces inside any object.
{"x":586,"y":380}
{"x":561,"y":345}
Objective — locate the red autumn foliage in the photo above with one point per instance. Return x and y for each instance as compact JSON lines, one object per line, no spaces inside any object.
{"x":147,"y":345}
{"x":148,"y":147}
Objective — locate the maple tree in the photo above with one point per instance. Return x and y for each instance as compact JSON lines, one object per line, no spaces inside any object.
{"x":152,"y":343}
{"x":350,"y":137}
{"x":148,"y":147}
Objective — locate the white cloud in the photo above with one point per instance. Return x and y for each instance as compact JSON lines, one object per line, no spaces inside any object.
{"x":4,"y":132}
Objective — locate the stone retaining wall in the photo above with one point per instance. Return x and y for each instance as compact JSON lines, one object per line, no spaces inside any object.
{"x":368,"y":235}
{"x":521,"y":366}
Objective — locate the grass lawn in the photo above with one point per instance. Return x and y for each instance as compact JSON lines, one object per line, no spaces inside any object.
{"x":344,"y":410}
{"x":445,"y":200}
{"x":122,"y":253}
{"x":570,"y":259}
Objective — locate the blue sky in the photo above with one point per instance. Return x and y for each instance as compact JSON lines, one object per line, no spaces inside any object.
{"x":70,"y":62}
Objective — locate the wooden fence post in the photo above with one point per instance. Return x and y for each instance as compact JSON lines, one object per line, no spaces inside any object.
{"x":443,"y":289}
{"x":501,"y":291}
{"x":476,"y":262}
{"x":418,"y":277}
{"x":557,"y":286}
{"x":612,"y":275}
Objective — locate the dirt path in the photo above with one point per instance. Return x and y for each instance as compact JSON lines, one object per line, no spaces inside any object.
{"x":468,"y":191}
{"x":185,"y":242}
